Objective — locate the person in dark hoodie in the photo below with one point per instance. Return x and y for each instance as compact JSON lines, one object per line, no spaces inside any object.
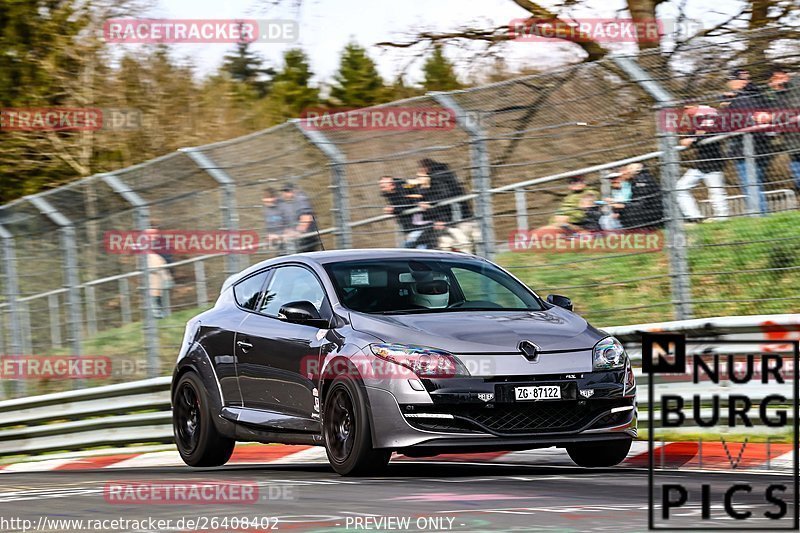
{"x":742,"y":98}
{"x":438,"y":183}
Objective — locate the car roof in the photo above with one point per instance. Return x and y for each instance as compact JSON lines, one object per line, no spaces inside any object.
{"x":335,"y":256}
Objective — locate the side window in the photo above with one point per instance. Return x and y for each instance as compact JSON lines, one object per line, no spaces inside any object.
{"x":290,"y":284}
{"x":478,"y":287}
{"x":248,"y":291}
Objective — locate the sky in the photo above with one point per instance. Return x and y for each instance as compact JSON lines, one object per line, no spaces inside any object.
{"x":325,"y":27}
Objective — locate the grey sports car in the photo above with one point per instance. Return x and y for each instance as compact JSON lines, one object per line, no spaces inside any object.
{"x":367,"y":352}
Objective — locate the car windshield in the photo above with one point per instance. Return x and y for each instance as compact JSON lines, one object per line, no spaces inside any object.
{"x":405,"y":286}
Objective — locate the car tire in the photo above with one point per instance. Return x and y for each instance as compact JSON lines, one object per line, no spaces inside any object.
{"x":346,"y":431}
{"x":199,"y":443}
{"x":601,"y":454}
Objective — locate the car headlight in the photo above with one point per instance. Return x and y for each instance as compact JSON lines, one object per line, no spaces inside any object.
{"x":609,"y":354}
{"x":424,"y":362}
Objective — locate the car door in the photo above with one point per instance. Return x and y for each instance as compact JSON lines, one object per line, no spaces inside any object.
{"x":276,"y":358}
{"x":220,"y":341}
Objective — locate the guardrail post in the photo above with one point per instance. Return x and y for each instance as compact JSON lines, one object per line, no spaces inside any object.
{"x":12,"y":295}
{"x":341,"y":195}
{"x":670,"y":168}
{"x":230,"y":218}
{"x":481,"y":169}
{"x":150,"y":329}
{"x":72,"y":276}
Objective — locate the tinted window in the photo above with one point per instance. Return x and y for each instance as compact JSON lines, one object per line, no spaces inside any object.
{"x":426,"y":286}
{"x":247,"y":292}
{"x":290,"y":284}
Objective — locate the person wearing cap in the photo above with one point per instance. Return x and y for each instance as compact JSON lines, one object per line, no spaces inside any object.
{"x":706,"y":162}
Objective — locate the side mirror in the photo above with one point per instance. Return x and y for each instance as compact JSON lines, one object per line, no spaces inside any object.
{"x":560,"y":301}
{"x":302,"y":312}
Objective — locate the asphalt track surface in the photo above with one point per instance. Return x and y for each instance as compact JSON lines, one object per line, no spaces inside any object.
{"x":431,"y":495}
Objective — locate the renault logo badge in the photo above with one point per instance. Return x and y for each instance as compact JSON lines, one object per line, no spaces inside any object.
{"x":530,"y":351}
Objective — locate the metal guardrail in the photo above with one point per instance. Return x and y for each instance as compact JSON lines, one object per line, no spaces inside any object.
{"x":139,"y":411}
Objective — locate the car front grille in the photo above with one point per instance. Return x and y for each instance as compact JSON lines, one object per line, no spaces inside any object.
{"x":523,"y":418}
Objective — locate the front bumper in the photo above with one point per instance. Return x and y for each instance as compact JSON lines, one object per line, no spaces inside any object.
{"x":481,"y":413}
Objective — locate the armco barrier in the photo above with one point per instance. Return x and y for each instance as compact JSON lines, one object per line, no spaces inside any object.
{"x":139,"y":412}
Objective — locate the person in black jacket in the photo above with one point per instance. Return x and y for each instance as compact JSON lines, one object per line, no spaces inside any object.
{"x":745,"y":98}
{"x":396,"y":194}
{"x":438,"y":183}
{"x":645,"y":210}
{"x":706,"y":162}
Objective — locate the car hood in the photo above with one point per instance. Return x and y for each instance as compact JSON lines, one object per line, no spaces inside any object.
{"x":483,"y":332}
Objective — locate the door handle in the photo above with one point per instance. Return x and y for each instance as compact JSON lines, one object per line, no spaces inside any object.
{"x":245,"y":346}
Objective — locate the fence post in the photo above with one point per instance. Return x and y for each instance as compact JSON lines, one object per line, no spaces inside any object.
{"x":230,"y":218}
{"x":91,"y":309}
{"x":341,"y":196}
{"x":200,"y":284}
{"x":522,"y":209}
{"x":12,"y":295}
{"x":670,"y":169}
{"x":481,"y":169}
{"x":72,"y":276}
{"x":150,"y":329}
{"x":55,"y":320}
{"x":752,"y":191}
{"x":125,"y":301}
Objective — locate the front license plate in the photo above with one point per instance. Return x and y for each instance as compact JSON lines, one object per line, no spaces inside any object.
{"x":547,"y":392}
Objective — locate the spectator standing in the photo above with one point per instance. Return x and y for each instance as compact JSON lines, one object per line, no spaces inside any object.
{"x":744,"y":97}
{"x":399,"y":199}
{"x":301,"y":219}
{"x":274,"y":219}
{"x":706,"y":161}
{"x":783,"y":95}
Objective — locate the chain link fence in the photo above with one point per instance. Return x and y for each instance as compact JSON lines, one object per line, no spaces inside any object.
{"x":530,"y":167}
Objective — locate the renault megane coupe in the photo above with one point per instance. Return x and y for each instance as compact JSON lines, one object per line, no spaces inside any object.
{"x":369,"y":352}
